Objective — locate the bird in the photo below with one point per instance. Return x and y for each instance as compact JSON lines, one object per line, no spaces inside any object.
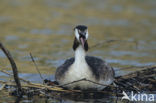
{"x":83,"y":66}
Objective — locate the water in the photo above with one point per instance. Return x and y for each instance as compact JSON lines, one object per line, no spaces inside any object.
{"x":45,"y":28}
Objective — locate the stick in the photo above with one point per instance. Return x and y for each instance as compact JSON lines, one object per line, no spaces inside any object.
{"x":14,"y":68}
{"x":3,"y":71}
{"x":38,"y":86}
{"x":110,"y":41}
{"x":130,"y":67}
{"x":36,"y":67}
{"x":1,"y":88}
{"x":101,"y":43}
{"x":84,"y":79}
{"x":70,"y":83}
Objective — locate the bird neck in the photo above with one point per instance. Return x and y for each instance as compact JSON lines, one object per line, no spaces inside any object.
{"x":80,"y":54}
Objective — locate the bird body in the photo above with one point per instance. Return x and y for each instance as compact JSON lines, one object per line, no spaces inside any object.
{"x":82,"y":66}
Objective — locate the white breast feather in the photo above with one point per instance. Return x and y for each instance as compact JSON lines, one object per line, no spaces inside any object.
{"x":79,"y":70}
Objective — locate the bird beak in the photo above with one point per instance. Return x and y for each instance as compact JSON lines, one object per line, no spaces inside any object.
{"x":82,"y":40}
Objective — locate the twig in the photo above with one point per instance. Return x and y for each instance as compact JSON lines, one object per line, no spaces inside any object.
{"x":36,"y":67}
{"x":100,"y":83}
{"x":130,"y":67}
{"x":84,"y":79}
{"x":116,"y":92}
{"x":70,"y":83}
{"x":110,"y":41}
{"x":134,"y":74}
{"x":1,"y":88}
{"x":14,"y":68}
{"x":3,"y":71}
{"x":101,"y":43}
{"x":38,"y":86}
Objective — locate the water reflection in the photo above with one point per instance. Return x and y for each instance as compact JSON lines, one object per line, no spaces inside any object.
{"x":11,"y":37}
{"x":105,"y":22}
{"x":130,"y":53}
{"x":36,"y":99}
{"x":129,"y":62}
{"x":23,"y":46}
{"x":41,"y":31}
{"x":5,"y":19}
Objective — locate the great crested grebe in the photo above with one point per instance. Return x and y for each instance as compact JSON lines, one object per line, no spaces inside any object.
{"x":82,"y":66}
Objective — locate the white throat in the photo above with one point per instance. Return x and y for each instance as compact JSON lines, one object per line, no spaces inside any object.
{"x":80,"y":55}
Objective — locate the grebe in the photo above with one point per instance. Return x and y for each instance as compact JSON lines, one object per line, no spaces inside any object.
{"x":82,"y":66}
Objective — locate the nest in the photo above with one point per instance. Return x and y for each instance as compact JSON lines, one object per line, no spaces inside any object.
{"x":139,"y":81}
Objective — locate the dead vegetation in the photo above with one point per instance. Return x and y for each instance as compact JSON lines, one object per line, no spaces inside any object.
{"x":143,"y":80}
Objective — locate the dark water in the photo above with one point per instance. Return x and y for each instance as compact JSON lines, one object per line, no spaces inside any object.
{"x":45,"y":28}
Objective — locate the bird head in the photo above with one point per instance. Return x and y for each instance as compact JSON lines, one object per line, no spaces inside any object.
{"x":81,"y":35}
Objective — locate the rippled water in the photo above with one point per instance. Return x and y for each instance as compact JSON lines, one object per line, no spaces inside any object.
{"x":45,"y":28}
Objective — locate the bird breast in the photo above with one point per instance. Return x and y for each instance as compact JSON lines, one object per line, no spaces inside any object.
{"x":76,"y":72}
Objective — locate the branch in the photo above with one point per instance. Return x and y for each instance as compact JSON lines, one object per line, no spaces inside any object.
{"x":1,"y":88}
{"x":84,"y":79}
{"x":36,"y":67}
{"x":3,"y":71}
{"x":111,"y":41}
{"x":14,"y":68}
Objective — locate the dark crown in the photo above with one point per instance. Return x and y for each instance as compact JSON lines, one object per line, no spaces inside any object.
{"x":81,"y":27}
